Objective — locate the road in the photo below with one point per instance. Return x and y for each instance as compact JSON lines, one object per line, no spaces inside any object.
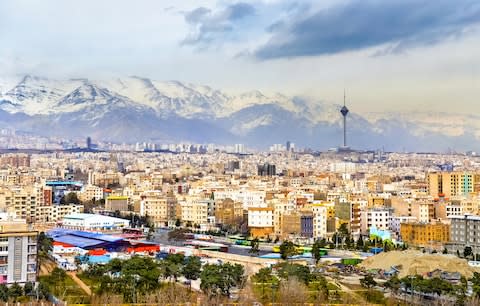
{"x":79,"y":282}
{"x":161,"y":236}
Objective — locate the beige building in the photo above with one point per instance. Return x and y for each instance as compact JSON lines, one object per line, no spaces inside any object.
{"x":194,"y":210}
{"x":20,"y":202}
{"x":155,"y":206}
{"x":117,"y":203}
{"x":450,"y":184}
{"x":229,"y":212}
{"x":55,"y":213}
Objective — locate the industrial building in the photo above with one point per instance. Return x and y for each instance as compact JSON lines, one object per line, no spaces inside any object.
{"x":93,"y":222}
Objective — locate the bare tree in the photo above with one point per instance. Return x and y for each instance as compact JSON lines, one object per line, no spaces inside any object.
{"x":292,"y":291}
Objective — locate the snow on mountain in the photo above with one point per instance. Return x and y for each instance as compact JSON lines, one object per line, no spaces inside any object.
{"x":136,"y":108}
{"x":36,"y":95}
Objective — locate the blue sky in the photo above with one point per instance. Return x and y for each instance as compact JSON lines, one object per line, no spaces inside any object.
{"x":389,"y":55}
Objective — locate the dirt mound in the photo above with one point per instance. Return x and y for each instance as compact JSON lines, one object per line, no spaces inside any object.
{"x":414,"y":262}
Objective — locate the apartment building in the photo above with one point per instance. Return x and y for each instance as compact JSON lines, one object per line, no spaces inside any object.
{"x":194,"y":210}
{"x":228,"y":212}
{"x":117,"y":203}
{"x":260,"y":221}
{"x":464,"y":231}
{"x":54,"y":213}
{"x":449,"y":184}
{"x":155,"y":206}
{"x":320,"y":215}
{"x":18,"y":252}
{"x":378,"y":218}
{"x":425,"y":234}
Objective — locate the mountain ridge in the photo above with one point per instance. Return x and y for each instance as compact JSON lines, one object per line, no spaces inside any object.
{"x":140,"y":109}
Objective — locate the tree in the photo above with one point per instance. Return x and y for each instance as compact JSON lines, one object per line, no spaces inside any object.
{"x":177,"y":223}
{"x":360,"y":243}
{"x":170,"y":270}
{"x":72,"y":198}
{"x":393,"y":284}
{"x":15,"y":291}
{"x":286,"y":270}
{"x":317,"y":250}
{"x":287,"y":249}
{"x":343,"y":230}
{"x":3,"y":293}
{"x":255,"y":246}
{"x":265,"y":279}
{"x":177,"y":259}
{"x":220,"y":279}
{"x":45,"y":244}
{"x":476,"y":283}
{"x":141,"y":275}
{"x":29,"y":289}
{"x":467,"y":251}
{"x":192,"y":268}
{"x":368,"y":281}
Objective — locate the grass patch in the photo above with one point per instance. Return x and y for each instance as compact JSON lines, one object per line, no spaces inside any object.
{"x":374,"y":296}
{"x":92,"y":283}
{"x":66,"y":291}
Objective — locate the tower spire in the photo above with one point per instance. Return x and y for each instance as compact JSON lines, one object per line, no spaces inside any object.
{"x":344,"y":111}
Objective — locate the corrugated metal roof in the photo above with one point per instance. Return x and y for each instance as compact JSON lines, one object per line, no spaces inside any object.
{"x":61,"y":232}
{"x":79,"y":241}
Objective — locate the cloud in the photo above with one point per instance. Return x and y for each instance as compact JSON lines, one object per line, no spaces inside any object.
{"x":361,"y":24}
{"x":207,"y":26}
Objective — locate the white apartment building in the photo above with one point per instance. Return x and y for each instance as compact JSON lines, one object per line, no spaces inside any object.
{"x":260,"y":217}
{"x":375,"y":217}
{"x":18,"y":252}
{"x":249,"y":198}
{"x":319,"y":221}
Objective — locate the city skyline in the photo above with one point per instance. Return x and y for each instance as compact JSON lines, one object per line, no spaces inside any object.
{"x":395,"y":56}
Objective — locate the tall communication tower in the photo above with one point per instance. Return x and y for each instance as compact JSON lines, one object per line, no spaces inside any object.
{"x":344,"y":111}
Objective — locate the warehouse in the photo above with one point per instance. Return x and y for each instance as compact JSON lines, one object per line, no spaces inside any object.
{"x":93,"y":222}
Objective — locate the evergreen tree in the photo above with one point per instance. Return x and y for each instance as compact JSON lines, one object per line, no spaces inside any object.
{"x":360,"y":243}
{"x":287,"y":249}
{"x":254,"y":246}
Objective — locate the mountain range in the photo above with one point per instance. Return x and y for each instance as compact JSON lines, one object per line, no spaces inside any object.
{"x":135,"y":109}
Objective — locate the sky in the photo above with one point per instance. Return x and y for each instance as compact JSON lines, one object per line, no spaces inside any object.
{"x":395,"y":55}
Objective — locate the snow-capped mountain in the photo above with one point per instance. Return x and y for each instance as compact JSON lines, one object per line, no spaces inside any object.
{"x":140,"y":109}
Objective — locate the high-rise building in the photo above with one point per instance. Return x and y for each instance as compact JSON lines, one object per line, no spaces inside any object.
{"x":89,"y":143}
{"x":266,"y":170}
